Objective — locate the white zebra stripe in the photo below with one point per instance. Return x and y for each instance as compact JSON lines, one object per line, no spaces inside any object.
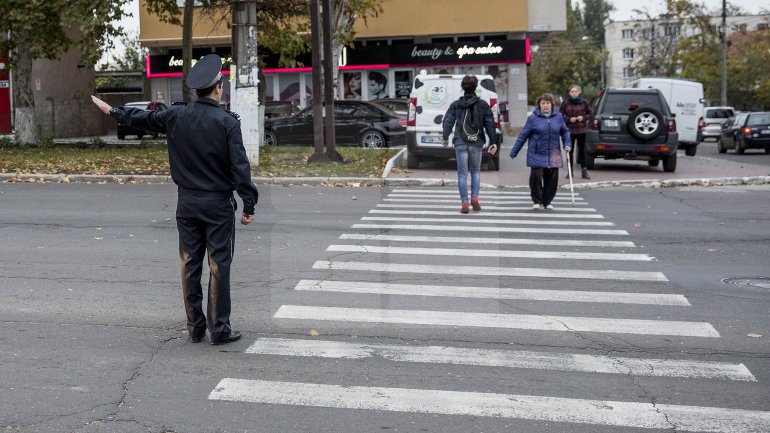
{"x":482,"y":192}
{"x":481,"y":240}
{"x":481,"y":220}
{"x":461,"y":229}
{"x":504,"y":358}
{"x":565,"y":199}
{"x":485,"y":207}
{"x":590,"y":274}
{"x":491,"y":293}
{"x":467,"y":252}
{"x":434,"y":200}
{"x":486,"y":214}
{"x":555,"y":409}
{"x":495,"y":320}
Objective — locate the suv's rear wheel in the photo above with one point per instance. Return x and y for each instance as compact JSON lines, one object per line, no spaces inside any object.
{"x":669,"y":163}
{"x":645,"y":123}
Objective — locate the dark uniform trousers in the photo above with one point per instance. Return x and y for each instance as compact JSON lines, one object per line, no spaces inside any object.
{"x":206,"y":221}
{"x":542,"y":184}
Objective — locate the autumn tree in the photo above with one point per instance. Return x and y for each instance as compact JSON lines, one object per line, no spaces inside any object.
{"x":46,"y":29}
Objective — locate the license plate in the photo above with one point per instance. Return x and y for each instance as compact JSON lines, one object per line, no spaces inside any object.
{"x":431,"y":140}
{"x":766,"y":132}
{"x":611,"y":123}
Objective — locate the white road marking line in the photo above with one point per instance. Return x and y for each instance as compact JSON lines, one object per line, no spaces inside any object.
{"x":565,"y":199}
{"x":492,"y":293}
{"x":504,"y":358}
{"x":496,"y":320}
{"x":466,"y":228}
{"x":507,"y":201}
{"x":480,"y":220}
{"x":467,"y":252}
{"x":477,"y":240}
{"x":482,"y":192}
{"x":539,"y":408}
{"x":486,"y":214}
{"x":590,"y":274}
{"x":485,"y":207}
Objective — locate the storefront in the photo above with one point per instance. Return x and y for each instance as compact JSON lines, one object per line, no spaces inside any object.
{"x":367,"y":72}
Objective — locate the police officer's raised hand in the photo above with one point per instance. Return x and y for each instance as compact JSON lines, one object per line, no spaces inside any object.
{"x":105,"y":107}
{"x":246,"y":219}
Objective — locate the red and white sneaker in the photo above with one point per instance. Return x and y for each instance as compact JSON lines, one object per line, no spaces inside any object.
{"x":475,"y":203}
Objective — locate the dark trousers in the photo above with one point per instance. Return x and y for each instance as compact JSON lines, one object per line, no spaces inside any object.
{"x":206,"y":222}
{"x":579,"y":147}
{"x":542,"y":185}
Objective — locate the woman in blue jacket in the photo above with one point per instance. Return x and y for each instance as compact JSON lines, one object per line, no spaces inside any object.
{"x":543,"y":129}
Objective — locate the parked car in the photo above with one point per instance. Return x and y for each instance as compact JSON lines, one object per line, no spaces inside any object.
{"x":281,"y":109}
{"x":746,"y":131}
{"x":124,"y":129}
{"x":399,"y":106}
{"x":632,"y":124}
{"x":685,"y":100}
{"x":714,"y":120}
{"x":356,"y":122}
{"x":431,"y":96}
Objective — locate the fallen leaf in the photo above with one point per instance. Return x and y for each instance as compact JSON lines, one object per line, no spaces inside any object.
{"x":314,"y":333}
{"x":354,"y":198}
{"x":637,"y":225}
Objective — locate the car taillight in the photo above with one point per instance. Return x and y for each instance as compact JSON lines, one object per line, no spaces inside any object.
{"x":495,"y":114}
{"x":402,"y":122}
{"x":595,"y":125}
{"x":747,"y":131}
{"x":672,"y":125}
{"x":701,"y":124}
{"x":411,"y":118}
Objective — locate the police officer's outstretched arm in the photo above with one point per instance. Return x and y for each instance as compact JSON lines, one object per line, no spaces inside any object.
{"x":241,"y":170}
{"x":152,"y":121}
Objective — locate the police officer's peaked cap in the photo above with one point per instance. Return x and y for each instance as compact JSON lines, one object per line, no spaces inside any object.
{"x":205,"y":73}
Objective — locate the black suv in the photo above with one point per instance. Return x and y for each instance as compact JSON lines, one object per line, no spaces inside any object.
{"x":632,"y":124}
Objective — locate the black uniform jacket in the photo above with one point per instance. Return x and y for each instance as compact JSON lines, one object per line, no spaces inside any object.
{"x":205,"y":147}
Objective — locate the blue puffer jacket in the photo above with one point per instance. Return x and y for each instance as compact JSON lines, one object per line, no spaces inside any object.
{"x":543,"y":132}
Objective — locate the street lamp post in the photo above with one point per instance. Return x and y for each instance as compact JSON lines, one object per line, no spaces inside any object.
{"x":723,"y":40}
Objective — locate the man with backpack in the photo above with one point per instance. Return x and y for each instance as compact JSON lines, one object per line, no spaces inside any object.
{"x":470,"y":116}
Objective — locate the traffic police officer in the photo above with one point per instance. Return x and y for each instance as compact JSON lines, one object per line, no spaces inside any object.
{"x":207,"y":161}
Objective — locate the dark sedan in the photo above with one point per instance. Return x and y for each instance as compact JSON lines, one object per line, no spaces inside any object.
{"x":399,"y":106}
{"x":746,"y":131}
{"x":356,"y":122}
{"x":124,"y":129}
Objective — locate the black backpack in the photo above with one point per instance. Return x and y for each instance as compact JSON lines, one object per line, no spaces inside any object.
{"x":471,"y":123}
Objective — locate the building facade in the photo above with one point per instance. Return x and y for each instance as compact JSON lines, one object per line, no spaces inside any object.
{"x":623,"y":41}
{"x":407,"y":38}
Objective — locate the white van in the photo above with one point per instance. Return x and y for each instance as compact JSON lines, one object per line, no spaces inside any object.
{"x":430,"y":99}
{"x":685,"y":99}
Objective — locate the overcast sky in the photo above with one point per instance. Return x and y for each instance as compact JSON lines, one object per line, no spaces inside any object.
{"x":624,"y":8}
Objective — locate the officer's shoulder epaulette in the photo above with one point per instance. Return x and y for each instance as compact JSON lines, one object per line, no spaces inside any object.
{"x":234,"y":114}
{"x":179,"y":103}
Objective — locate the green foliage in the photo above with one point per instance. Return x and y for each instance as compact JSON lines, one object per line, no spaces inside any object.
{"x":595,"y":14}
{"x":346,"y":12}
{"x":568,"y":58}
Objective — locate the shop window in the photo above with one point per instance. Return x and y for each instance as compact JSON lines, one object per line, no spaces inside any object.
{"x":377,"y":85}
{"x":290,"y":88}
{"x":468,"y":39}
{"x":403,"y":83}
{"x":352,"y":83}
{"x":443,"y":40}
{"x":498,"y":37}
{"x":499,"y":74}
{"x":269,"y":87}
{"x":442,"y":70}
{"x":409,"y":41}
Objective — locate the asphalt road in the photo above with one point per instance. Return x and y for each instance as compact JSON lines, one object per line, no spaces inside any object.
{"x":92,"y":331}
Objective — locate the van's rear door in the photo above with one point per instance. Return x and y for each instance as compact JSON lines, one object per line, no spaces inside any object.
{"x":434,"y":96}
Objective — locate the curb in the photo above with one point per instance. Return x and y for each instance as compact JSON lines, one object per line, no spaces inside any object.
{"x":359,"y":181}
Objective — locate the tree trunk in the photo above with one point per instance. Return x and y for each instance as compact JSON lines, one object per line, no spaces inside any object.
{"x":24,"y":100}
{"x":187,"y":29}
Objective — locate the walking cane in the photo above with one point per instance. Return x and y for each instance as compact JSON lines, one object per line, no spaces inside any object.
{"x":569,"y":173}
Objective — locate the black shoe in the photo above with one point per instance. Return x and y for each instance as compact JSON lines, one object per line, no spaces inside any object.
{"x":196,"y":337}
{"x":585,"y":174}
{"x":233,"y":336}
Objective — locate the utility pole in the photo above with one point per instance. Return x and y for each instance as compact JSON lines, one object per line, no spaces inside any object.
{"x":723,"y":40}
{"x":245,"y":97}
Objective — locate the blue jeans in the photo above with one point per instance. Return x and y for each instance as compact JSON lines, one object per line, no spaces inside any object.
{"x":468,"y":158}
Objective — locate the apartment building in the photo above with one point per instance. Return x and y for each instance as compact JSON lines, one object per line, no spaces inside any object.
{"x":622,"y":40}
{"x":407,"y":38}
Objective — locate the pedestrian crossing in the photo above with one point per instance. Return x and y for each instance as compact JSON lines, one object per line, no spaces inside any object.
{"x":579,"y":260}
